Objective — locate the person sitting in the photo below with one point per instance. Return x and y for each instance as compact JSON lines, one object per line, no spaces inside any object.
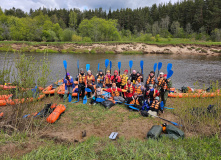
{"x":116,"y":79}
{"x":139,"y":89}
{"x":155,"y":107}
{"x":150,"y":79}
{"x":135,"y":101}
{"x":130,"y":91}
{"x":115,"y":92}
{"x":165,"y":88}
{"x":133,"y":76}
{"x":98,"y":94}
{"x":81,"y":78}
{"x":160,"y":80}
{"x":90,"y":81}
{"x":151,"y":93}
{"x":107,"y":80}
{"x":69,"y":85}
{"x":100,"y":78}
{"x":139,"y":77}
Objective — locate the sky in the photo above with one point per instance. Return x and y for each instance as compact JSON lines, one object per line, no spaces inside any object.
{"x":25,"y":5}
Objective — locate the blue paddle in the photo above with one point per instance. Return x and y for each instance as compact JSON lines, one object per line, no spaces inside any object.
{"x":78,"y":66}
{"x":87,"y":89}
{"x":98,"y":67}
{"x":106,"y":64}
{"x":176,"y":124}
{"x":162,"y":105}
{"x":119,"y":66}
{"x":155,"y":67}
{"x":88,"y":67}
{"x":69,"y":98}
{"x":85,"y":99}
{"x":170,"y":73}
{"x":65,"y":66}
{"x":169,"y":67}
{"x":159,"y":67}
{"x":130,"y":64}
{"x":110,"y":66}
{"x":100,"y":99}
{"x":141,"y":66}
{"x":133,"y":108}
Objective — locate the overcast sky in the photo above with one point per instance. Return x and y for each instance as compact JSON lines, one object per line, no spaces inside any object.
{"x":25,"y":5}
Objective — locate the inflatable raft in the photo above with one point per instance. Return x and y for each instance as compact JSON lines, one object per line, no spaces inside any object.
{"x":8,"y":87}
{"x":74,"y":91}
{"x":18,"y":101}
{"x":4,"y":97}
{"x":59,"y":109}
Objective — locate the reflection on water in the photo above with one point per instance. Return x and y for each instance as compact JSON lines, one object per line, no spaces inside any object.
{"x":187,"y":68}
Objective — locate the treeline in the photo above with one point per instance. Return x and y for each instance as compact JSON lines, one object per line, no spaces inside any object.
{"x":195,"y":19}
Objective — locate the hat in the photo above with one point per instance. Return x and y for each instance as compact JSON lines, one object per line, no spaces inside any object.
{"x":115,"y":71}
{"x":68,"y":74}
{"x":89,"y":71}
{"x":81,"y":70}
{"x":108,"y":71}
{"x":100,"y":70}
{"x":152,"y":72}
{"x":134,"y":70}
{"x":157,"y":98}
{"x":161,"y":72}
{"x":138,"y":72}
{"x":150,"y":85}
{"x":165,"y":75}
{"x":126,"y":70}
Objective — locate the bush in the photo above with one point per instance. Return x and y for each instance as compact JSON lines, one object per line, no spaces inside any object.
{"x":67,"y":35}
{"x":87,"y":39}
{"x":157,"y":38}
{"x":76,"y":38}
{"x":216,"y":35}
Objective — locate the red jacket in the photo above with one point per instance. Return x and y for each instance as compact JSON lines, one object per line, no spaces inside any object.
{"x":115,"y":79}
{"x":129,"y":94}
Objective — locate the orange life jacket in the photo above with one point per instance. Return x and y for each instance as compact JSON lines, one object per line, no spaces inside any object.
{"x":100,"y":79}
{"x":150,"y":80}
{"x":155,"y":105}
{"x":164,"y":85}
{"x":81,"y":78}
{"x":139,"y":79}
{"x":114,"y":93}
{"x":130,"y":88}
{"x":160,"y":80}
{"x":107,"y":80}
{"x":135,"y":101}
{"x":123,"y":79}
{"x":68,"y":82}
{"x":90,"y":80}
{"x":138,"y":90}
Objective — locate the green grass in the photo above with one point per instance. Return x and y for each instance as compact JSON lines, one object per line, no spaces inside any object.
{"x":103,"y":148}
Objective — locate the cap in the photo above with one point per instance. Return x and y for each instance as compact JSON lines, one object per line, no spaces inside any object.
{"x":108,"y":71}
{"x":134,"y":70}
{"x":100,"y":70}
{"x":126,"y":70}
{"x":115,"y":71}
{"x":68,"y":74}
{"x":157,"y":98}
{"x":165,"y":75}
{"x":161,"y":72}
{"x":150,"y":85}
{"x":81,"y":69}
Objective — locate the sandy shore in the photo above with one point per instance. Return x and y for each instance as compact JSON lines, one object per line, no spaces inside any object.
{"x":213,"y":50}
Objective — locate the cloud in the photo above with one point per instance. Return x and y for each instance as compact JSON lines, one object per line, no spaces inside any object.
{"x":25,"y":5}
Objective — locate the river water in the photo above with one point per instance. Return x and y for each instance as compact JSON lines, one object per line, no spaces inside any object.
{"x":188,"y":69}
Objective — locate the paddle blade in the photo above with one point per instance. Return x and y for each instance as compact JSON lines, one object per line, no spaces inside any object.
{"x":106,"y":62}
{"x":99,"y":100}
{"x":130,"y":64}
{"x":87,"y":89}
{"x":169,"y":67}
{"x":169,"y":74}
{"x":141,"y":64}
{"x":85,"y":99}
{"x":133,"y":108}
{"x":98,"y":67}
{"x":78,"y":64}
{"x":161,"y":105}
{"x":65,"y":64}
{"x":155,"y":67}
{"x":69,"y":98}
{"x":119,"y":65}
{"x":159,"y":66}
{"x":87,"y":67}
{"x":110,"y":64}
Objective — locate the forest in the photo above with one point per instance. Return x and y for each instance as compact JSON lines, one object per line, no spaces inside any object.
{"x":189,"y":19}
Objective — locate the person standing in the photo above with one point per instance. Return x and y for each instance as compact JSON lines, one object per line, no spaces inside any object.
{"x":116,"y":79}
{"x":100,"y":78}
{"x":69,"y":85}
{"x":165,"y":88}
{"x":107,"y":80}
{"x":133,"y":76}
{"x":150,"y":79}
{"x":90,"y":81}
{"x":81,"y":78}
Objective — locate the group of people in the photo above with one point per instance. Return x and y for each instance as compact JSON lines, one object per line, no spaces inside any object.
{"x":129,"y":88}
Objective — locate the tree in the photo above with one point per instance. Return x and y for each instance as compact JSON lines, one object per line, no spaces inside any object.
{"x":73,"y":20}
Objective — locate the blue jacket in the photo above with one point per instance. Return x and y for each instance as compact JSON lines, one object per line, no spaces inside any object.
{"x":66,"y":81}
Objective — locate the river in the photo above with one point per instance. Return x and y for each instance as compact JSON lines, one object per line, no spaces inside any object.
{"x":188,"y":69}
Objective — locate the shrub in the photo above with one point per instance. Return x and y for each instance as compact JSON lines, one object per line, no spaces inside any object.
{"x":67,"y":35}
{"x":87,"y":39}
